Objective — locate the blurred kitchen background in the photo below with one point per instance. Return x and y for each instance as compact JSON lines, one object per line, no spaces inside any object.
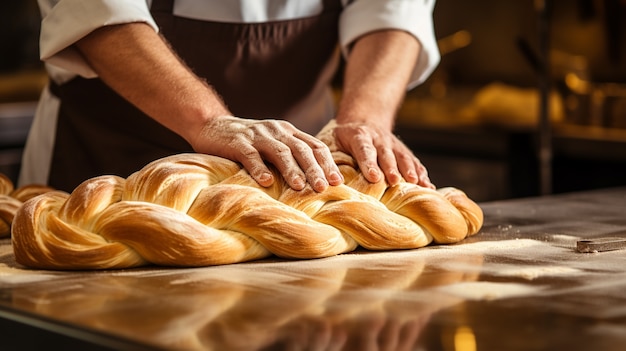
{"x":22,"y":78}
{"x":478,"y":122}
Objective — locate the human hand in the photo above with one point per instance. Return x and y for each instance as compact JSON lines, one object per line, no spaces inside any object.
{"x":298,"y":156}
{"x":379,"y":153}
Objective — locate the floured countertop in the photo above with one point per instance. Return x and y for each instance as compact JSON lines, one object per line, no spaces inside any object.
{"x":517,"y":285}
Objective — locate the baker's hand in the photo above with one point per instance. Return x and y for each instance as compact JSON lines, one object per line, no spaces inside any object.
{"x":379,"y":153}
{"x":298,"y":156}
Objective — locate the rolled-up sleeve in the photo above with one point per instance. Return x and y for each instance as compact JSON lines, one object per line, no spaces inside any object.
{"x":412,"y":16}
{"x":64,"y":22}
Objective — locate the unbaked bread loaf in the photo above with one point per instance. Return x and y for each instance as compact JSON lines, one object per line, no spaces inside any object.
{"x":200,"y":210}
{"x":11,"y":199}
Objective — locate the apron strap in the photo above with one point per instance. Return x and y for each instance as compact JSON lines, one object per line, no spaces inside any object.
{"x":330,"y":5}
{"x":162,"y":6}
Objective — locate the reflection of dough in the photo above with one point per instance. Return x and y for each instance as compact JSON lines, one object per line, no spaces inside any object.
{"x":198,"y":210}
{"x":488,"y":290}
{"x":531,"y":273}
{"x":253,"y":306}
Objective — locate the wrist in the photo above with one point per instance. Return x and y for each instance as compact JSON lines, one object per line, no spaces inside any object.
{"x":199,"y":112}
{"x":368,"y":116}
{"x":202,"y":130}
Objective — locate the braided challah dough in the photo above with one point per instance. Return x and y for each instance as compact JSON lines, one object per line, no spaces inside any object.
{"x":11,"y":199}
{"x":200,"y":210}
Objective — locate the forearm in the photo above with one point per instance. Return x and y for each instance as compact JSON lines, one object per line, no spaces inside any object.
{"x":137,"y":63}
{"x":376,"y":75}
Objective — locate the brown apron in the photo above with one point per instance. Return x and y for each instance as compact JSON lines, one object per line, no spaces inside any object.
{"x":261,"y":70}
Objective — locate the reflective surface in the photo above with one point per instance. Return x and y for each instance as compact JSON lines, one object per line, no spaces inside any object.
{"x":518,"y":285}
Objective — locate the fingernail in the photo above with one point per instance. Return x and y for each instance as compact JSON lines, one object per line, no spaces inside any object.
{"x":320,"y":184}
{"x":411,"y":175}
{"x":427,"y":183}
{"x":430,"y":184}
{"x":335,"y":177}
{"x":394,"y":177}
{"x":298,"y":182}
{"x":265,"y":177}
{"x":373,"y":172}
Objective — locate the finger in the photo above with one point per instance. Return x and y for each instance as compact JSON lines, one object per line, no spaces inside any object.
{"x":389,"y":336}
{"x":305,"y":157}
{"x":367,"y":333}
{"x":410,"y":333}
{"x":267,"y":141}
{"x":282,"y":145}
{"x":288,"y":166}
{"x":280,"y":155}
{"x":389,"y":165}
{"x":408,"y":167}
{"x":365,"y":154}
{"x":320,"y":337}
{"x":324,"y":158}
{"x":422,"y":174}
{"x":411,"y":168}
{"x":338,"y":339}
{"x":251,"y":160}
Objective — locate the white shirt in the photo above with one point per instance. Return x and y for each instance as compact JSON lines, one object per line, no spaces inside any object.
{"x":64,"y":22}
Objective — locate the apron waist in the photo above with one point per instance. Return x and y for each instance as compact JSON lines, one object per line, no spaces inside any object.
{"x":98,"y":132}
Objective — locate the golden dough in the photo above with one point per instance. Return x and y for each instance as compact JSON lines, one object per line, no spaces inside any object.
{"x":11,"y":199}
{"x":200,"y":210}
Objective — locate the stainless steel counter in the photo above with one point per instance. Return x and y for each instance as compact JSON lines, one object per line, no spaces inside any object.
{"x":518,"y":285}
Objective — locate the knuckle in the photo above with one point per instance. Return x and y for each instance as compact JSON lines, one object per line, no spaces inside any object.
{"x":242,"y":146}
{"x":282,"y":155}
{"x":281,"y":150}
{"x":301,"y":148}
{"x":248,"y":153}
{"x":365,"y":149}
{"x":406,"y":158}
{"x":278,"y":125}
{"x":313,"y":171}
{"x":256,"y":171}
{"x":318,"y":147}
{"x":422,"y":170}
{"x":362,"y":138}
